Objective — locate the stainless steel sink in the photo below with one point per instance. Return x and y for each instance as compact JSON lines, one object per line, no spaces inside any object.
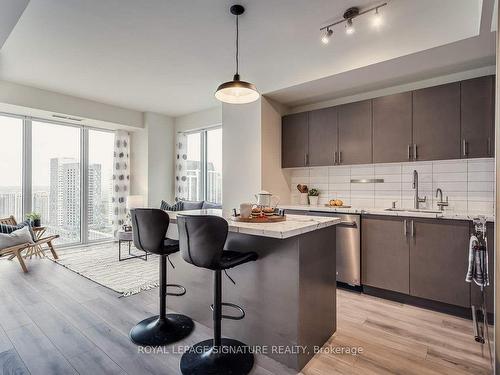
{"x":414,"y":210}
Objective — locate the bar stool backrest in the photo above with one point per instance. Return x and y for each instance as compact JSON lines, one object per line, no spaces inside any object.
{"x":149,"y":228}
{"x":202,"y":239}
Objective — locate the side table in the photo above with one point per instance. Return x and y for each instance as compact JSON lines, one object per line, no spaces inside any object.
{"x":126,"y":236}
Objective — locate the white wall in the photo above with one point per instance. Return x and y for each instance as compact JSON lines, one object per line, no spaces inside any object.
{"x":439,"y":80}
{"x":30,"y":101}
{"x":274,"y":179}
{"x":199,"y":120}
{"x":152,"y":159}
{"x":241,"y":153}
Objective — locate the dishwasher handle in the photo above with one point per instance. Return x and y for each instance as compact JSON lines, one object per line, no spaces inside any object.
{"x":348,"y":223}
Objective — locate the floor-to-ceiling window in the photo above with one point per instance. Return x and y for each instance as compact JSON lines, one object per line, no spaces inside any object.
{"x":193,"y":167}
{"x":11,"y":167}
{"x":204,"y":165}
{"x":99,"y":181}
{"x":56,"y":176}
{"x":63,"y":172}
{"x":214,"y":165}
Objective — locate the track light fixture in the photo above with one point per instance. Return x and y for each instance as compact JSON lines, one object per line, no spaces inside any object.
{"x":348,"y":17}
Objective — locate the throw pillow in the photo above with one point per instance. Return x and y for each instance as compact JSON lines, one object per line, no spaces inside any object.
{"x":178,"y":206}
{"x":7,"y":229}
{"x":210,"y":205}
{"x":17,"y":237}
{"x":192,"y":205}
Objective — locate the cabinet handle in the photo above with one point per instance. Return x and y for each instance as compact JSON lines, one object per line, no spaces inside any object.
{"x":414,"y":151}
{"x":464,"y":147}
{"x":412,"y":232}
{"x":340,"y":157}
{"x":489,"y":147}
{"x":334,"y":157}
{"x":405,"y":228}
{"x":305,"y":159}
{"x":409,"y":152}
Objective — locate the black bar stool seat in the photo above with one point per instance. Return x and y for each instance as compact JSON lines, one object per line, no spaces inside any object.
{"x":149,"y":229}
{"x":201,"y":241}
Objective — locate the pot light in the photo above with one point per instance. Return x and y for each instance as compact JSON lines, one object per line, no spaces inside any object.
{"x":237,"y":91}
{"x":326,"y":38}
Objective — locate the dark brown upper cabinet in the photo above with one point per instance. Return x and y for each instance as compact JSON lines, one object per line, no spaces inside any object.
{"x":385,"y":253}
{"x":439,"y":259}
{"x":294,"y":140}
{"x":323,"y":136}
{"x":436,"y":122}
{"x":477,"y":117}
{"x":355,"y":133}
{"x":392,"y":128}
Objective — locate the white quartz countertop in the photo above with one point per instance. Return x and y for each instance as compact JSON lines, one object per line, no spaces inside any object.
{"x":380,"y":211}
{"x":292,"y":226}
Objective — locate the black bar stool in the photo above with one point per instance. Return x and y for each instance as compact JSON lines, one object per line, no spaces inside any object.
{"x":201,"y":240}
{"x":149,"y":230}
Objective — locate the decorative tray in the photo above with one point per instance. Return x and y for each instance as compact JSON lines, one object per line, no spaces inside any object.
{"x":259,"y":219}
{"x":327,"y":205}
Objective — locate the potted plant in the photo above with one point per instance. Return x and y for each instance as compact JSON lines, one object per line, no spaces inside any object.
{"x":313,"y":197}
{"x":34,"y":217}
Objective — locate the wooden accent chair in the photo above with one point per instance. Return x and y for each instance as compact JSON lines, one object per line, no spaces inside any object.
{"x":15,"y":251}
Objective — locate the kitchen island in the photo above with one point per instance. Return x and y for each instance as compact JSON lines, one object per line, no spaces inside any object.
{"x":288,"y":294}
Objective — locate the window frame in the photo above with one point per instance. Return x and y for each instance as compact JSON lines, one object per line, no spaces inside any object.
{"x":27,"y":193}
{"x":203,"y":156}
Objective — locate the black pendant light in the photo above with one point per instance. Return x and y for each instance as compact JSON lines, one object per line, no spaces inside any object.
{"x":236,"y":91}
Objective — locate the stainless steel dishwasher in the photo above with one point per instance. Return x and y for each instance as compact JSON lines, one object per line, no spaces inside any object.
{"x":348,"y":245}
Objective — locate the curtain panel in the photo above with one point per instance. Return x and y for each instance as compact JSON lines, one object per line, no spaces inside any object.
{"x":121,"y":178}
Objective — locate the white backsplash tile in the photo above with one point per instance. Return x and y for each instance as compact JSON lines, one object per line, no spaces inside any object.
{"x":469,"y":184}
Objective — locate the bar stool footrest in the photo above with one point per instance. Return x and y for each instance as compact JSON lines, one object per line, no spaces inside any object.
{"x":181,"y":293}
{"x":231,"y":317}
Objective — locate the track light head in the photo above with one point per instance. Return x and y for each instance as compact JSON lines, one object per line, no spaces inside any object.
{"x":326,"y":37}
{"x":377,"y":19}
{"x":349,"y":27}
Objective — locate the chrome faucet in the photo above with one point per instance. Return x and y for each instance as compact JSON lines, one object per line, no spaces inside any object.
{"x":417,"y":200}
{"x":440,"y":203}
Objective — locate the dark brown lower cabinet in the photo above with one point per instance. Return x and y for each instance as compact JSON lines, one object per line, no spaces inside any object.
{"x":385,"y":253}
{"x":438,"y":260}
{"x":475,"y":291}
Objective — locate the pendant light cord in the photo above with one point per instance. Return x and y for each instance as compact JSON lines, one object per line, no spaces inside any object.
{"x":237,"y":45}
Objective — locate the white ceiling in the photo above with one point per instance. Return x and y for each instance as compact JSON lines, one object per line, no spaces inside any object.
{"x":168,"y":56}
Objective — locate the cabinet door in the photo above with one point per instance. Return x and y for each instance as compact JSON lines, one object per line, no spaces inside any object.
{"x":355,"y":133}
{"x":392,"y":128}
{"x":322,"y":136}
{"x":476,"y":298}
{"x":436,"y":122}
{"x":385,"y":253}
{"x":294,"y":140}
{"x":438,"y":261}
{"x":477,"y":117}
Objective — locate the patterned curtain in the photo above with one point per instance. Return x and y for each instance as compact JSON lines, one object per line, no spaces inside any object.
{"x":181,"y":167}
{"x":121,"y":178}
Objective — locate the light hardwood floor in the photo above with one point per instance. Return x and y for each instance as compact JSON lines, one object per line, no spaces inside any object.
{"x":53,"y":321}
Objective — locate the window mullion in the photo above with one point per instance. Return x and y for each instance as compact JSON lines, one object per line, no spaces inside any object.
{"x":84,"y":163}
{"x":27,"y":189}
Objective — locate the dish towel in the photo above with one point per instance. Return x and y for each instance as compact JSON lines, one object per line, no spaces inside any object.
{"x":478,"y":263}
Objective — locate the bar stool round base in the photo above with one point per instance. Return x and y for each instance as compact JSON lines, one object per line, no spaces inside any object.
{"x":232,"y":358}
{"x":154,"y":331}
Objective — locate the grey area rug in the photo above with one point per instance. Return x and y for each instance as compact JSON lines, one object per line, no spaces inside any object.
{"x":100,"y":264}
